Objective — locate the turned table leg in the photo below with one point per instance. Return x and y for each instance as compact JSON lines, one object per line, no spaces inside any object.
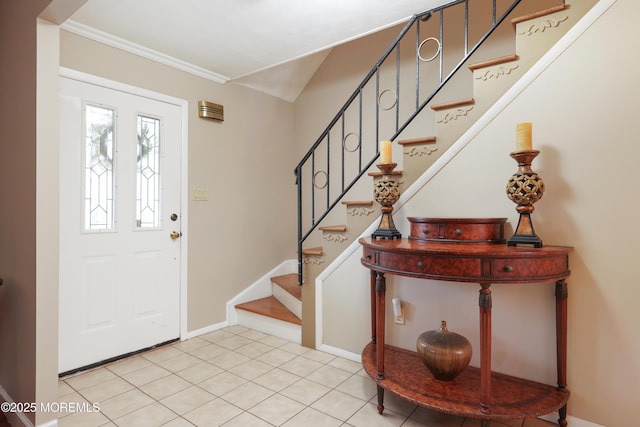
{"x":380,"y":400}
{"x":381,"y":289}
{"x":372,"y":281}
{"x":561,"y":342}
{"x":485,"y":348}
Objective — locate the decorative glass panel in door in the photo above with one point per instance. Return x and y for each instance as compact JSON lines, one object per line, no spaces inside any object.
{"x":98,"y":166}
{"x":148,"y":173}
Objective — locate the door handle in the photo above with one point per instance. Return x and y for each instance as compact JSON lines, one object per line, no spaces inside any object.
{"x":174,"y":235}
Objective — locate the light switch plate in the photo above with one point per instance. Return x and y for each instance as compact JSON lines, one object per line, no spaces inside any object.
{"x":200,"y":194}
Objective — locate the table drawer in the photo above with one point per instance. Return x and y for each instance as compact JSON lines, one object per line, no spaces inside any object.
{"x":486,"y":230}
{"x":528,"y":269}
{"x":431,"y":266}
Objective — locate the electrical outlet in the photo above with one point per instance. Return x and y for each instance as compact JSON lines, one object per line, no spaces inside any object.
{"x":200,"y":194}
{"x":398,"y":311}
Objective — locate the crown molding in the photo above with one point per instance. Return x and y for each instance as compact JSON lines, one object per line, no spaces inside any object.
{"x":136,"y":49}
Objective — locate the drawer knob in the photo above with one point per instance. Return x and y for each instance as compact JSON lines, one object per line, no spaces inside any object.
{"x":458,"y":232}
{"x":420,"y":264}
{"x":425,"y":230}
{"x":507,"y":268}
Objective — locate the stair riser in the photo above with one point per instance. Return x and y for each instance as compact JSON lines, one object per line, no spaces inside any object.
{"x":334,"y":243}
{"x":452,"y":123}
{"x":418,"y":158}
{"x":292,"y":303}
{"x":535,"y":37}
{"x":491,"y":83}
{"x":361,"y":217}
{"x":268,"y":325}
{"x":312,"y":266}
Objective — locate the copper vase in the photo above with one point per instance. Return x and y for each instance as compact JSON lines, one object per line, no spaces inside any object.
{"x":446,"y":354}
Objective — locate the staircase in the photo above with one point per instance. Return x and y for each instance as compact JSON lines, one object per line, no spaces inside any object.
{"x":279,"y":314}
{"x":535,"y":32}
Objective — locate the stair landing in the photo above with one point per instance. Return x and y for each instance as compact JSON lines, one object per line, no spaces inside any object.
{"x":270,"y":307}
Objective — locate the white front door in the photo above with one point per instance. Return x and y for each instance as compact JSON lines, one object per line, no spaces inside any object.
{"x":119,"y":223}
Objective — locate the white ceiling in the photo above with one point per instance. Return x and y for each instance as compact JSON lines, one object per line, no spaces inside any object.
{"x":271,"y":45}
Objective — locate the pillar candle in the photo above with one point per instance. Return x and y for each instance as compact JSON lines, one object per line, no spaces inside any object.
{"x":523,"y":137}
{"x":385,"y":152}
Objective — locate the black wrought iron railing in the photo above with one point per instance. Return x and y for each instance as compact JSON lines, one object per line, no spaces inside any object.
{"x":435,"y":44}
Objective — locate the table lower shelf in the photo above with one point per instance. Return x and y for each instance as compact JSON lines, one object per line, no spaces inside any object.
{"x":511,"y":397}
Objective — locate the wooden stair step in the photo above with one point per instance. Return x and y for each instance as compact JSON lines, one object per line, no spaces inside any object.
{"x":538,"y":14}
{"x":334,"y":228}
{"x":357,"y":203}
{"x":454,"y":104}
{"x":313,"y":251}
{"x":270,"y":307}
{"x":289,"y":282}
{"x":422,"y":140}
{"x":493,"y":62}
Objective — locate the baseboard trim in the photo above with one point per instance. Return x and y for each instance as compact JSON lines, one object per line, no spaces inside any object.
{"x":205,"y":330}
{"x":355,"y":357}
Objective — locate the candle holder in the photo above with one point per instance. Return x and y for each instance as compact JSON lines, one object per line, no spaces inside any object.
{"x":386,"y":192}
{"x":525,"y":188}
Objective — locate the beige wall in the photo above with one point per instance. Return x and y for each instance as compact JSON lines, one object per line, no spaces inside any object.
{"x":247,"y":226}
{"x":583,"y":110}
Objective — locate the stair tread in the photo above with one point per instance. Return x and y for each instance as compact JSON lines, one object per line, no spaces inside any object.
{"x":289,"y":282}
{"x":538,"y":14}
{"x":494,"y":61}
{"x":357,"y":202}
{"x":313,"y":251}
{"x":333,"y":228}
{"x":270,"y":307}
{"x":453,"y":104}
{"x":422,"y":140}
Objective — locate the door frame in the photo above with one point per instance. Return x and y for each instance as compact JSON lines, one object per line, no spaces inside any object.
{"x":184,"y":193}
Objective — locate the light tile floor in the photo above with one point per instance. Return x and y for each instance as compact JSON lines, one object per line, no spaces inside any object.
{"x":239,"y":377}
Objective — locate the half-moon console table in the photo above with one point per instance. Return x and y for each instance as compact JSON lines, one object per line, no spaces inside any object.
{"x":477,"y":392}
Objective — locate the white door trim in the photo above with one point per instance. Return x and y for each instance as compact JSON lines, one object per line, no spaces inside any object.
{"x":184,"y":197}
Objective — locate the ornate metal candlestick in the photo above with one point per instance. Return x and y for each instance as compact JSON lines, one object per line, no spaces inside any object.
{"x":386,"y":192}
{"x":525,"y":188}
